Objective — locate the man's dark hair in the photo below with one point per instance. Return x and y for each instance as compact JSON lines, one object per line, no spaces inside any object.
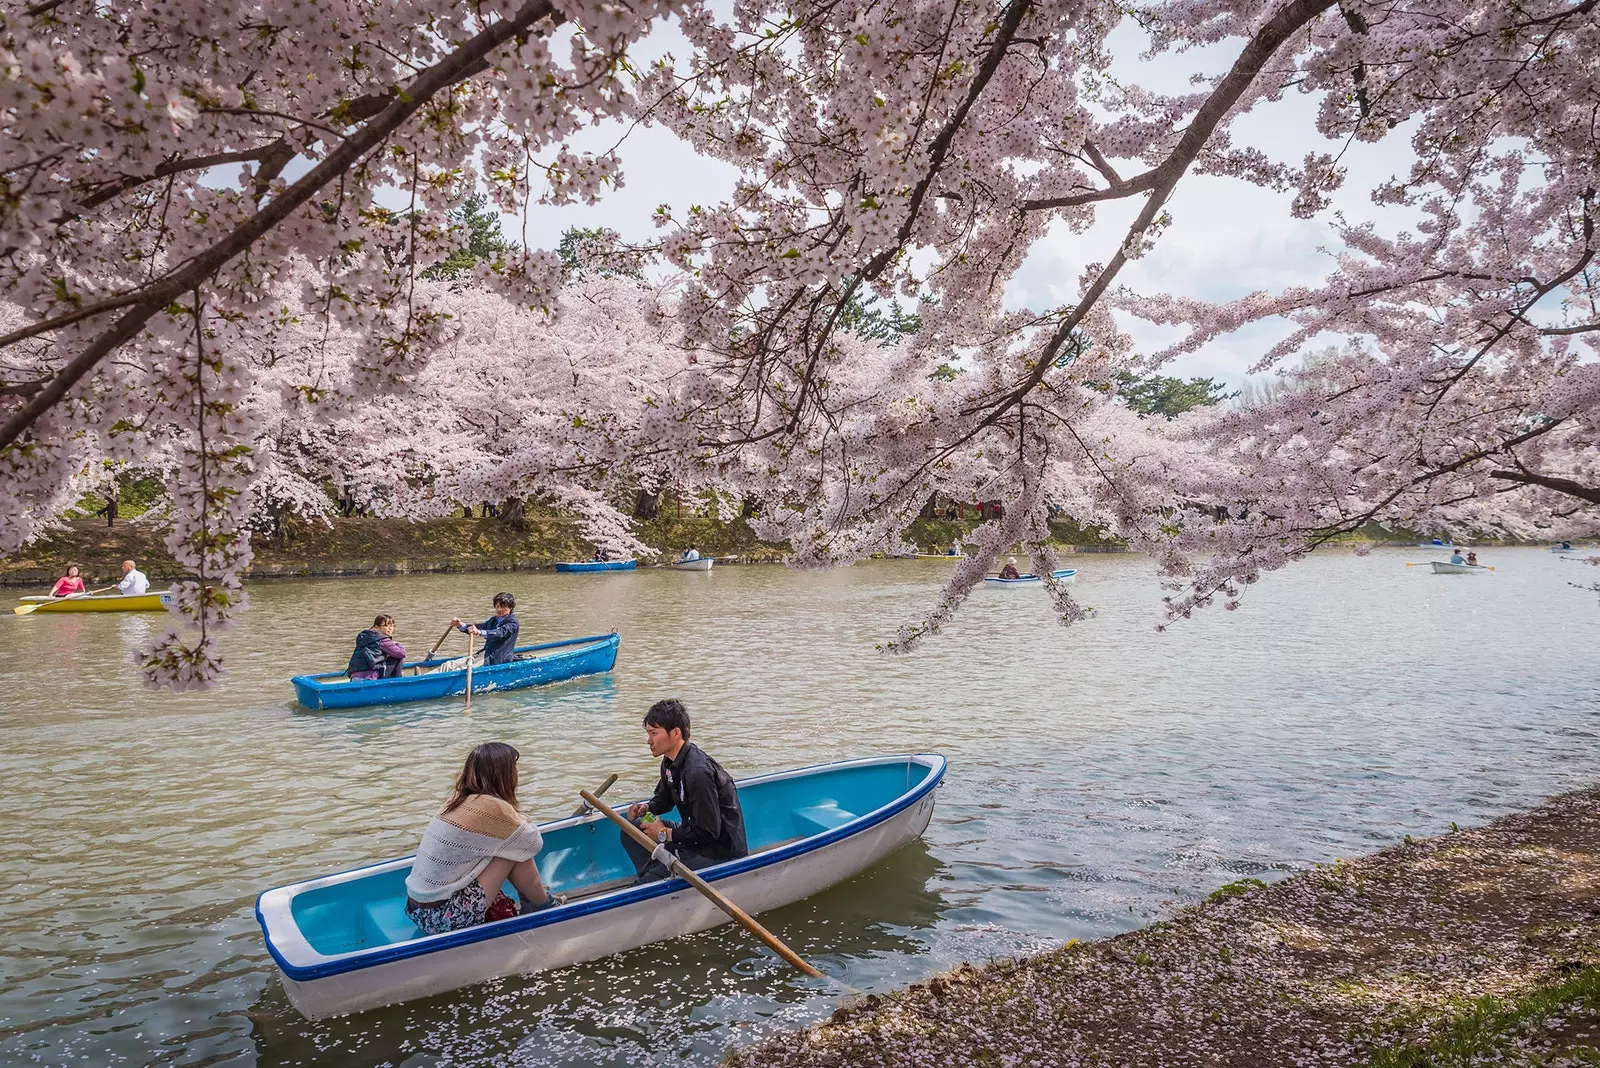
{"x":669,"y":715}
{"x":505,"y":599}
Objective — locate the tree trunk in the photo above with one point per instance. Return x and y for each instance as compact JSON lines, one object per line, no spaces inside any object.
{"x":512,"y":512}
{"x":647,"y":504}
{"x":750,"y":507}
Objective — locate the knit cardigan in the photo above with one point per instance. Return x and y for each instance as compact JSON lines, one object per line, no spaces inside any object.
{"x":457,"y":846}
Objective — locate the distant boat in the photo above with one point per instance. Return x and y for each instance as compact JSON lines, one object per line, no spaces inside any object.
{"x":1436,"y":545}
{"x":1066,"y":574}
{"x":530,"y":665}
{"x":597,"y":565}
{"x":103,"y":602}
{"x":1440,"y":567}
{"x":343,"y":942}
{"x":1567,"y":549}
{"x":941,"y":556}
{"x":702,"y":564}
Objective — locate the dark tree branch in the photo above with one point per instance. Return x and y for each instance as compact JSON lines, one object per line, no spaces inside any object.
{"x":1551,"y":482}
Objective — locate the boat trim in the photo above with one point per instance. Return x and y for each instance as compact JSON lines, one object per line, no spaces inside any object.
{"x":325,"y":966}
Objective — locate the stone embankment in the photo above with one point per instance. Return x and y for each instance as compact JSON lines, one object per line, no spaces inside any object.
{"x":1475,"y":947}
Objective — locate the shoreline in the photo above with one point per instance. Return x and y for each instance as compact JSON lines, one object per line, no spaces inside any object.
{"x":1477,"y":943}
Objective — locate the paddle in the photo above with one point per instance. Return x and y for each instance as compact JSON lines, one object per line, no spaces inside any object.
{"x":469,"y":671}
{"x":440,"y":642}
{"x":1425,"y":563}
{"x":25,"y":609}
{"x":584,"y":810}
{"x":682,"y":871}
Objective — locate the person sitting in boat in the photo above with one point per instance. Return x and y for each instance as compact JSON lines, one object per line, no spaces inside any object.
{"x":1456,"y":557}
{"x":133,"y":581}
{"x":687,"y":555}
{"x":499,"y":631}
{"x":1564,"y":546}
{"x":1472,"y":559}
{"x":68,"y":584}
{"x":601,"y":556}
{"x":377,"y":655}
{"x":711,"y":823}
{"x":954,"y":550}
{"x":1010,"y":570}
{"x":475,"y":843}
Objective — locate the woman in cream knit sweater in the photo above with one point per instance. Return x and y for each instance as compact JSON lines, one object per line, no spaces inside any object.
{"x":475,"y":843}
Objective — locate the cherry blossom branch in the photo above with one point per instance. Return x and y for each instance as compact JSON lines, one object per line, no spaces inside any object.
{"x":147,"y":301}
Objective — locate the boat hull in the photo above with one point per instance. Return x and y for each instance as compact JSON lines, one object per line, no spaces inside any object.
{"x":1442,"y":568}
{"x":562,"y":660}
{"x":613,"y":922}
{"x":702,"y":564}
{"x":1066,"y":574}
{"x":137,"y":602}
{"x":579,"y":566}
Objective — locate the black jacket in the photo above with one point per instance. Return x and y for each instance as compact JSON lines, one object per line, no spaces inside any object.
{"x":707,"y":803}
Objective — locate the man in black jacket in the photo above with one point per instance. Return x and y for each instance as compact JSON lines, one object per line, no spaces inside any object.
{"x":711,"y":824}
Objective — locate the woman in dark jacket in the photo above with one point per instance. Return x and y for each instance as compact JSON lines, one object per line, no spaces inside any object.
{"x":377,"y":655}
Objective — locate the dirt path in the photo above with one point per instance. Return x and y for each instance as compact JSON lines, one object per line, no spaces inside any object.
{"x":1478,"y":942}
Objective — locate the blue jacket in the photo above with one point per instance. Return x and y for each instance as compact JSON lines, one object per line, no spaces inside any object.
{"x":499,"y":638}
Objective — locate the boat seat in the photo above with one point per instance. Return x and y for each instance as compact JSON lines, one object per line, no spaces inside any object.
{"x":821,"y":817}
{"x":386,"y":922}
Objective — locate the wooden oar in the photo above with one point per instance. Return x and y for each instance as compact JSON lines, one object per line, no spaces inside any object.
{"x":682,"y":871}
{"x":469,"y":671}
{"x":440,"y":642}
{"x":583,"y":810}
{"x":25,"y":609}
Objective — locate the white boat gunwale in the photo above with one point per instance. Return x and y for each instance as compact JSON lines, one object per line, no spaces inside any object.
{"x":273,"y":907}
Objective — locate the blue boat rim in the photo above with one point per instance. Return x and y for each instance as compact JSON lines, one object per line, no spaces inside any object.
{"x":330,"y":966}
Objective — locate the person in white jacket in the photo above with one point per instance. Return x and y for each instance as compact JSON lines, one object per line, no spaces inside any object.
{"x":133,"y":580}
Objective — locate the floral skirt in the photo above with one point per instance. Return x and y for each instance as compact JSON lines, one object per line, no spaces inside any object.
{"x":464,"y":908}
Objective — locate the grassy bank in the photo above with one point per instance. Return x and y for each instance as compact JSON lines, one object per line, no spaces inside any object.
{"x":1479,"y":946}
{"x":359,"y":546}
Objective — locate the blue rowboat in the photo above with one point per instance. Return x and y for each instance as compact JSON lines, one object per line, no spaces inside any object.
{"x":597,"y":565}
{"x":530,"y":665}
{"x":1064,"y":574}
{"x":343,"y":942}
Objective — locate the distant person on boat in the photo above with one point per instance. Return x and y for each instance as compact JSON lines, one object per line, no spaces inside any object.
{"x":475,"y":843}
{"x":1472,"y":559}
{"x":1456,"y":557}
{"x":68,"y":584}
{"x":377,"y":655}
{"x":499,"y":631}
{"x":1010,"y":570}
{"x":1564,"y":546}
{"x":133,"y":581}
{"x":955,"y":550}
{"x":711,"y":829}
{"x":687,"y":555}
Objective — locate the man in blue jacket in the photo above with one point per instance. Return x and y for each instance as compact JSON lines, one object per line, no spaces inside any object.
{"x":499,"y":631}
{"x":710,"y":828}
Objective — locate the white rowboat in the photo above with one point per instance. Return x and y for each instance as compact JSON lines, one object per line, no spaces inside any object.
{"x":702,"y":564}
{"x":1440,"y":567}
{"x":343,"y":942}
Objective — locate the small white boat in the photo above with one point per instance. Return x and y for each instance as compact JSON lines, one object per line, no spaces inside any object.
{"x":1441,"y":567}
{"x":343,"y":942}
{"x":1065,"y":574}
{"x":702,"y":564}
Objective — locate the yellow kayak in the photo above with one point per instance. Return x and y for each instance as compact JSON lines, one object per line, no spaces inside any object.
{"x":102,"y":602}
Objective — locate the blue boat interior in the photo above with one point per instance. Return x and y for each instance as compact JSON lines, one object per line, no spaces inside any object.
{"x":587,"y":859}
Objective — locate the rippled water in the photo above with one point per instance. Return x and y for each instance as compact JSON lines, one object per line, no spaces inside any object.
{"x":1099,"y":777}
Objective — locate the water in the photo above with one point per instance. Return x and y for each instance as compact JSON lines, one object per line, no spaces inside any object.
{"x":1098,"y":777}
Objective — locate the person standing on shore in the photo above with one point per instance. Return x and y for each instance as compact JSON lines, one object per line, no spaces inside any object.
{"x":133,"y":581}
{"x":711,"y":829}
{"x":499,"y":631}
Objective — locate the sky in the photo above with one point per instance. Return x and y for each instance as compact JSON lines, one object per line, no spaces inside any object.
{"x":1227,"y":239}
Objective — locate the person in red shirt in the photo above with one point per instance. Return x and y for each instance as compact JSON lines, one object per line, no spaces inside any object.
{"x":68,"y":584}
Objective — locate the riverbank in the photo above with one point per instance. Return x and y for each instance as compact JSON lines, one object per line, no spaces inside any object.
{"x":1475,"y":946}
{"x":361,"y":546}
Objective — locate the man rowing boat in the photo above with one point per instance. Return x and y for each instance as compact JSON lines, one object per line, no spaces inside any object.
{"x":711,"y":822}
{"x":499,"y":631}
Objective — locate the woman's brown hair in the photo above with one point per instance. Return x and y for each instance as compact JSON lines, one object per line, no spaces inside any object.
{"x":381,"y":620}
{"x":490,"y":769}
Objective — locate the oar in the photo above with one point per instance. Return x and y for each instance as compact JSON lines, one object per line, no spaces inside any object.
{"x":584,"y":810}
{"x":469,"y":671}
{"x":682,"y":871}
{"x":25,"y":609}
{"x":440,"y":642}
